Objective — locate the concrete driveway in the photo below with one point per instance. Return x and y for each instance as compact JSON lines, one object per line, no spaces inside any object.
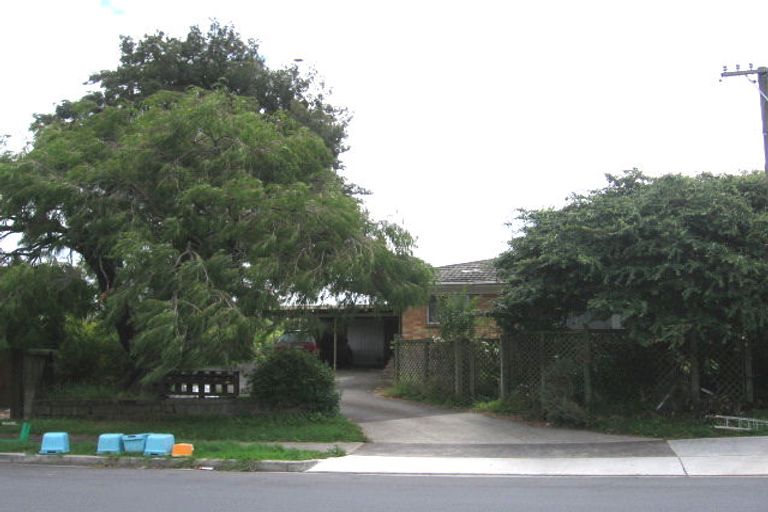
{"x":411,"y":428}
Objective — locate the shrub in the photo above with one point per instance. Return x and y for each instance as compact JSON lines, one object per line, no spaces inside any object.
{"x":559,"y":394}
{"x":295,"y":379}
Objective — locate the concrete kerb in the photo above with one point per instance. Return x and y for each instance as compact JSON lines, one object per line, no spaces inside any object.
{"x":282,"y":466}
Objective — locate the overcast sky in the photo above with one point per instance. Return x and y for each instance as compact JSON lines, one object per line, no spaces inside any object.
{"x":463,"y":111}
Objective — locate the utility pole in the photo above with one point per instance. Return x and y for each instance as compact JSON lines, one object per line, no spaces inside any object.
{"x":762,"y":85}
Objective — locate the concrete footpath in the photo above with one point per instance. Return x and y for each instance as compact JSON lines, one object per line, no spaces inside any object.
{"x":743,"y":456}
{"x":415,"y":438}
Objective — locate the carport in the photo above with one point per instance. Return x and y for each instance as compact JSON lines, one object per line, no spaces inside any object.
{"x":356,"y":336}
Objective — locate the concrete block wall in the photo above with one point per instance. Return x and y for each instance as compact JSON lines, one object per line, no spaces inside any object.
{"x":143,"y":409}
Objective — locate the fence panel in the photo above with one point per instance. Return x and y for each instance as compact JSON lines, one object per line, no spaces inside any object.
{"x":600,"y":368}
{"x":203,"y":384}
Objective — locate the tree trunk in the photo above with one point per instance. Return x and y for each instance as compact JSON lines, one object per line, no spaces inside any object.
{"x":126,"y":333}
{"x":125,"y":330}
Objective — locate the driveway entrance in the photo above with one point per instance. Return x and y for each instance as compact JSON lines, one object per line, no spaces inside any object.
{"x":411,"y":428}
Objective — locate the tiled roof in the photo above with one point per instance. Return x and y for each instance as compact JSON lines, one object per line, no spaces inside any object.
{"x":473,"y":272}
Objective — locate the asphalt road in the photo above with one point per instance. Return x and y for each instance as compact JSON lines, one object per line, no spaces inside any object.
{"x":48,"y":488}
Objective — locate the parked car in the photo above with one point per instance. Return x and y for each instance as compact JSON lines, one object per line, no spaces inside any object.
{"x":298,"y":339}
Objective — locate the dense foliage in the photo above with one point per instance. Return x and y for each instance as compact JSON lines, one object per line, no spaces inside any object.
{"x":90,"y":354}
{"x":199,"y":190}
{"x":679,"y":259}
{"x":295,"y":379}
{"x":457,"y":314}
{"x":36,"y":303}
{"x":218,"y":59}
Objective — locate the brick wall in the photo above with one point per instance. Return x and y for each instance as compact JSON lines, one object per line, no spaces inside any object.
{"x":413,"y":325}
{"x":414,"y":322}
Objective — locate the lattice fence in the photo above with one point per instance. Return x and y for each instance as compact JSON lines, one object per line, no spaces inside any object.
{"x":466,"y":370}
{"x":590,"y":367}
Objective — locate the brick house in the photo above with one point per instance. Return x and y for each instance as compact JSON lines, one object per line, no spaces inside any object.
{"x":477,"y":279}
{"x":364,"y":334}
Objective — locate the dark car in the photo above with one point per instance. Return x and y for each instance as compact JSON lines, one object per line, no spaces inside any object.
{"x":298,"y":339}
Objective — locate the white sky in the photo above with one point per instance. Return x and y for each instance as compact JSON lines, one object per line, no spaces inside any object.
{"x":463,"y":111}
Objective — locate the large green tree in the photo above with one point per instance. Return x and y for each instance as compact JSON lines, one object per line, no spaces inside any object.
{"x":218,"y":59}
{"x":37,"y":300}
{"x":199,"y":202}
{"x":680,"y":259}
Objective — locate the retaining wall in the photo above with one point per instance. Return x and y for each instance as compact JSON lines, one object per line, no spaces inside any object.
{"x":143,"y":409}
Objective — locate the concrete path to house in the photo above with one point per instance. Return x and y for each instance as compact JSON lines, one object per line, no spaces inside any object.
{"x":405,"y":428}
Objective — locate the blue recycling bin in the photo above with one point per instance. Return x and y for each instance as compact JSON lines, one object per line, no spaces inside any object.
{"x":134,"y":443}
{"x":54,"y":443}
{"x":110,"y":444}
{"x":159,"y":444}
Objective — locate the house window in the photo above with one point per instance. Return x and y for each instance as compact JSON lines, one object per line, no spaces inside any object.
{"x":432,"y":313}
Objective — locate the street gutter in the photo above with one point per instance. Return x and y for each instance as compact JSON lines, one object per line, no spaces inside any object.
{"x":281,"y":466}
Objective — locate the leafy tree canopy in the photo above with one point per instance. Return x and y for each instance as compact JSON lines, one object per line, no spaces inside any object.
{"x":35,"y":302}
{"x":196,"y":211}
{"x":218,"y":59}
{"x":678,"y":258}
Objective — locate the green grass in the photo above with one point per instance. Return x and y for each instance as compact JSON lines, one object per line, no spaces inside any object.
{"x":255,"y":451}
{"x":294,"y":427}
{"x":681,"y":426}
{"x":203,"y":450}
{"x":11,"y":430}
{"x":416,"y":393}
{"x":237,"y":438}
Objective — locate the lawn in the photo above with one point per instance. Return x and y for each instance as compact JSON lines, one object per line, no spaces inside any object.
{"x":239,"y":438}
{"x":288,"y":427}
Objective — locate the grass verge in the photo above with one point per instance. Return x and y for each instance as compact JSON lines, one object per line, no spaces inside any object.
{"x":237,"y":438}
{"x":230,"y":450}
{"x":271,"y":428}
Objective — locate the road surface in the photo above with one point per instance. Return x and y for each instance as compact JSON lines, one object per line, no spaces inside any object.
{"x":71,"y":489}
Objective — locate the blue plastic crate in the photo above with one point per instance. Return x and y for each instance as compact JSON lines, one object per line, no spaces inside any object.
{"x":134,"y":443}
{"x":159,"y":444}
{"x":54,"y":442}
{"x":110,"y":443}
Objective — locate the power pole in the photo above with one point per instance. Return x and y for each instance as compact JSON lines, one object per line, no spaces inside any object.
{"x":762,"y":85}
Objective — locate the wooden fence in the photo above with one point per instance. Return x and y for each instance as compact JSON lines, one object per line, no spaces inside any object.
{"x":203,"y":384}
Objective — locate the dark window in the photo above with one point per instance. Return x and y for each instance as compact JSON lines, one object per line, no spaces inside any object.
{"x":432,"y":313}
